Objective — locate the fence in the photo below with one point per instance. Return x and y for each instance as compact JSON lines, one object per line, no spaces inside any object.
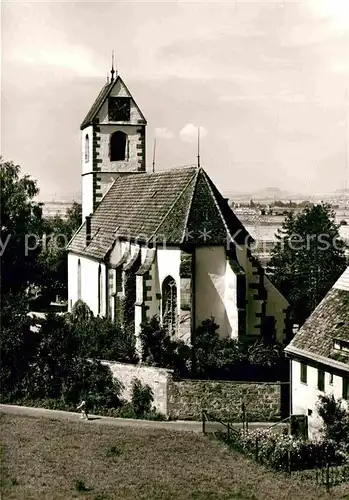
{"x":330,"y":476}
{"x":326,"y":475}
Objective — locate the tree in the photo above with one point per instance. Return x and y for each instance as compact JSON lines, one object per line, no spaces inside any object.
{"x":21,"y":228}
{"x":53,"y":258}
{"x":335,"y":418}
{"x":307,"y":258}
{"x":18,"y":344}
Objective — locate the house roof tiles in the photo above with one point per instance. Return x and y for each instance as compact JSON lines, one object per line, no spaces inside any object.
{"x":329,"y":321}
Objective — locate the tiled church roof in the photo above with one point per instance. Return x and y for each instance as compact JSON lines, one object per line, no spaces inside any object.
{"x":174,"y":206}
{"x":329,"y":321}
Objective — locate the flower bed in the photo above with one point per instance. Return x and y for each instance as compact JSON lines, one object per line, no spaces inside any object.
{"x":284,"y":452}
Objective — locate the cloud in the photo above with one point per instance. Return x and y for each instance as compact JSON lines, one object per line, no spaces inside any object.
{"x":163,"y":133}
{"x":189,"y":133}
{"x":74,"y":58}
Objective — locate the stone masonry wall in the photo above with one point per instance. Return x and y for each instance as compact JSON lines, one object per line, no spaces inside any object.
{"x":156,"y":378}
{"x":223,"y":399}
{"x":185,"y":399}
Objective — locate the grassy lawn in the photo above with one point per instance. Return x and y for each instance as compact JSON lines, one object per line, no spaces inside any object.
{"x":50,"y":459}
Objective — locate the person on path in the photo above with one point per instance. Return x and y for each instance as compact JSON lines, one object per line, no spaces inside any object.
{"x":83,"y":407}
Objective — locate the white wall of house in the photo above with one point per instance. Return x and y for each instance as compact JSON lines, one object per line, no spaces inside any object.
{"x":305,"y":396}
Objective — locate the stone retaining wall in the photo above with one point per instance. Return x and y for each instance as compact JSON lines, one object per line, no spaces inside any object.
{"x":185,"y":399}
{"x":156,"y":378}
{"x":223,"y":399}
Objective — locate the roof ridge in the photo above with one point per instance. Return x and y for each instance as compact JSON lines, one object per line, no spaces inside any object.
{"x":173,"y":205}
{"x":205,"y":176}
{"x":190,"y":205}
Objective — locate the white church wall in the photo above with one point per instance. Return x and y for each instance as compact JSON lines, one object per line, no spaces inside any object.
{"x":87,"y":195}
{"x":87,"y":165}
{"x":210,"y":289}
{"x":276,"y":305}
{"x":168,"y":263}
{"x":72,"y":279}
{"x":305,"y":396}
{"x":230,"y":301}
{"x":89,"y":282}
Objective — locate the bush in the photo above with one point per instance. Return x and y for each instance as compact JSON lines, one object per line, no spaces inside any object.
{"x":215,"y":357}
{"x":160,"y":349}
{"x":284,"y":452}
{"x":335,"y":419}
{"x":100,"y":337}
{"x":212,"y":357}
{"x":142,"y":398}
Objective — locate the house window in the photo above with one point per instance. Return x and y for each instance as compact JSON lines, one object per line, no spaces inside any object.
{"x":331,"y":379}
{"x":321,"y":380}
{"x":169,"y":304}
{"x":304,"y":373}
{"x":345,"y":390}
{"x":87,"y":149}
{"x":100,"y":289}
{"x":118,"y":146}
{"x":79,"y":279}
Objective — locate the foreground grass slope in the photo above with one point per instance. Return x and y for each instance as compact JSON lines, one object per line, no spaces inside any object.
{"x":50,"y":459}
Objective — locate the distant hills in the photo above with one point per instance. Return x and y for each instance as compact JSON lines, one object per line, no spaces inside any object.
{"x":268,"y":193}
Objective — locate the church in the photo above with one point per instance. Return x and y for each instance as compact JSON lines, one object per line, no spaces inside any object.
{"x":163,"y":243}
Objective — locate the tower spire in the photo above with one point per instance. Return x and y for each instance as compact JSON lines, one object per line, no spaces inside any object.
{"x":112,"y":72}
{"x":198,"y":164}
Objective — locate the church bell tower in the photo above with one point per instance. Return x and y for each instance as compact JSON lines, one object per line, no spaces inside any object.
{"x":112,"y":140}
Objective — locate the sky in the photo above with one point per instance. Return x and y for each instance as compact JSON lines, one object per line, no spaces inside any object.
{"x":267,"y":82}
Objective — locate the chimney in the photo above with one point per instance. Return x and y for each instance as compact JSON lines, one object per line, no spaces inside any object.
{"x":88,"y":229}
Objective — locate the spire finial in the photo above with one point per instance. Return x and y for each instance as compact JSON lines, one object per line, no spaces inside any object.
{"x":198,"y":164}
{"x":112,"y":67}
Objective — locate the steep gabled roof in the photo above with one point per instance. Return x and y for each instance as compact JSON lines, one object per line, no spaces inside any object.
{"x":174,"y":206}
{"x":102,"y":96}
{"x":329,"y":321}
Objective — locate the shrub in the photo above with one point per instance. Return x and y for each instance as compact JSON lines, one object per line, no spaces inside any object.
{"x":81,"y":312}
{"x":160,"y":349}
{"x":335,"y":418}
{"x":101,"y":338}
{"x":142,"y":398}
{"x":284,"y":452}
{"x":215,"y":357}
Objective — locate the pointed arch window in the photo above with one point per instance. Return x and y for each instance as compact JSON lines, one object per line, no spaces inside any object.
{"x":79,"y":279}
{"x":169,"y":304}
{"x":118,"y":146}
{"x":87,"y":148}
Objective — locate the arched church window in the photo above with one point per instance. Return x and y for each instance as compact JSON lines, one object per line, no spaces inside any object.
{"x":79,"y":279}
{"x":100,"y":290}
{"x":169,"y":304}
{"x":118,"y":144}
{"x":87,"y":148}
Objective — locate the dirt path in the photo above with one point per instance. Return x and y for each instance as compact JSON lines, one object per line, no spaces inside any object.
{"x":179,"y":425}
